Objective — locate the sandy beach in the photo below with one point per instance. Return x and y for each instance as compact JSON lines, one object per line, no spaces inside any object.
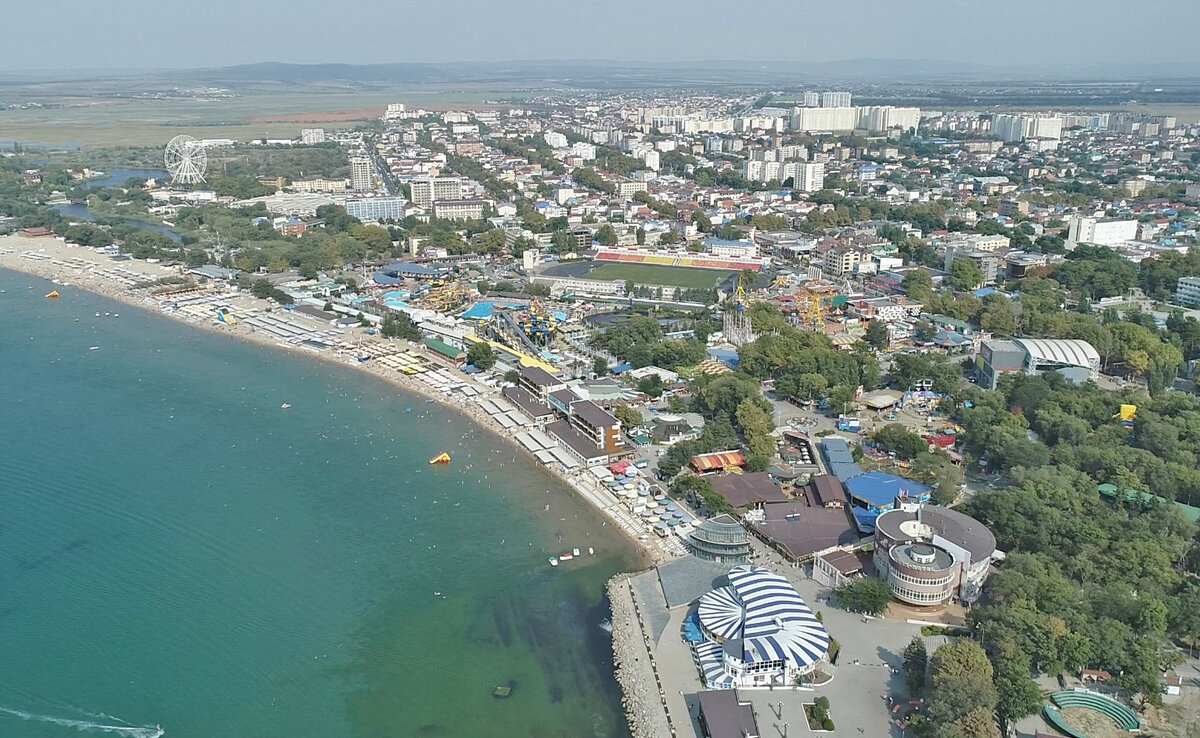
{"x":83,"y":268}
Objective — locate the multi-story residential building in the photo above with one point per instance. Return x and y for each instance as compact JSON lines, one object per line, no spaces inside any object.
{"x":987,"y":262}
{"x":428,"y":190}
{"x":460,"y":209}
{"x":320,"y":184}
{"x":362,"y":174}
{"x":835,"y":99}
{"x":555,"y":139}
{"x":841,"y":260}
{"x":377,"y":208}
{"x":309,"y":136}
{"x":1019,"y":127}
{"x":809,"y":177}
{"x":1187,"y":292}
{"x":812,"y":99}
{"x":1101,"y":231}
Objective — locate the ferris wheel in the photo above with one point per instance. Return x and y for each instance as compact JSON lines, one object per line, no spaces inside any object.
{"x":186,"y":160}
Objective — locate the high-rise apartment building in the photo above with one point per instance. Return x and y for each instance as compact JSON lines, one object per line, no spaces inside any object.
{"x":809,"y":177}
{"x":362,"y":174}
{"x":812,"y":99}
{"x":835,"y":99}
{"x":428,"y":190}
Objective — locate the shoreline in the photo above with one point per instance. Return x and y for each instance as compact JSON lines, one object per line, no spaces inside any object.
{"x":632,"y":662}
{"x":12,"y":248}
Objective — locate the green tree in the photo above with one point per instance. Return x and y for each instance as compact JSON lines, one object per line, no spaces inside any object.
{"x":512,"y":376}
{"x":961,"y":692}
{"x":481,"y":355}
{"x":599,"y":367}
{"x":651,"y":385}
{"x":606,"y":236}
{"x":868,"y":596}
{"x":916,"y":659}
{"x":918,"y":285}
{"x":629,"y":417}
{"x":965,"y":274}
{"x":876,"y":335}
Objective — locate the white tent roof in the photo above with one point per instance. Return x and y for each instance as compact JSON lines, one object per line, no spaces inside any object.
{"x":1072,"y":352}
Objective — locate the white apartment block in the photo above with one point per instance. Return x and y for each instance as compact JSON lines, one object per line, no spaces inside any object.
{"x":320,"y":184}
{"x":555,"y":139}
{"x":1102,"y":232}
{"x":1015,"y":128}
{"x":840,"y":260}
{"x":808,"y":177}
{"x":460,"y":209}
{"x":978,"y":242}
{"x":835,"y":99}
{"x":362,"y":174}
{"x":1187,"y":292}
{"x":876,"y":118}
{"x":812,"y":99}
{"x":428,"y":190}
{"x":310,"y":136}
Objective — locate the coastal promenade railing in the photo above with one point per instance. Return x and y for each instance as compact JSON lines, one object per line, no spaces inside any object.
{"x":662,"y":694}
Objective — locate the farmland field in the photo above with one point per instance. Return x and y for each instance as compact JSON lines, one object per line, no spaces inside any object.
{"x":659,"y":275}
{"x":78,"y":120}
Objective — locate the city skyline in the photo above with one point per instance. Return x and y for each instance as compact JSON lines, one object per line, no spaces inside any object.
{"x":1021,"y":35}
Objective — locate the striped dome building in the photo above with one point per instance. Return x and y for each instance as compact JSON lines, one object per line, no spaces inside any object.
{"x":757,"y":632}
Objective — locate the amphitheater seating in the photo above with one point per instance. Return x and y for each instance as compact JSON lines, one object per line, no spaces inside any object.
{"x":1055,"y":718}
{"x":1120,"y":714}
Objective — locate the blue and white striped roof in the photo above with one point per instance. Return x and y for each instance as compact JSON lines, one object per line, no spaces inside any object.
{"x":765,"y":612}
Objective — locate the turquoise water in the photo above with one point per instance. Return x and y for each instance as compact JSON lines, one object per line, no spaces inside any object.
{"x":177,"y":549}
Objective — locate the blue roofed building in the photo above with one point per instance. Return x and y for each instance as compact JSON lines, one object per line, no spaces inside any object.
{"x":876,"y":492}
{"x":839,"y":459}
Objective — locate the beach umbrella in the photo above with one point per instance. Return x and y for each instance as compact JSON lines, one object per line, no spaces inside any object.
{"x":680,"y":515}
{"x":672,"y":508}
{"x":646,"y":513}
{"x":652,"y":519}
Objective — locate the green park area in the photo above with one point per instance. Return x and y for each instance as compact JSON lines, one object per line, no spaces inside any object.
{"x":660,"y":275}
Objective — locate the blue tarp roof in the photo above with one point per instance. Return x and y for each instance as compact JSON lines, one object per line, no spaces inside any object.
{"x":865,"y":519}
{"x":839,"y":459}
{"x":621,"y":369}
{"x":880,"y":490}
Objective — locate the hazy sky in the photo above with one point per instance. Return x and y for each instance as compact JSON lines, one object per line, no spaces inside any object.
{"x":1042,"y":34}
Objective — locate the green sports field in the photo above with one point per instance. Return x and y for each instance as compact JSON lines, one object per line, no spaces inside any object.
{"x":659,"y":275}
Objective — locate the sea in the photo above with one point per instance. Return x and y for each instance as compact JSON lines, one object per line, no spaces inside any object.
{"x":177,"y":549}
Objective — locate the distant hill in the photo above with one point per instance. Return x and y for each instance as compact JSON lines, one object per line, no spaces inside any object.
{"x":415,"y":73}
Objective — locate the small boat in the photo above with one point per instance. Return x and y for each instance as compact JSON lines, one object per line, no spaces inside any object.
{"x":566,"y":557}
{"x":553,"y":561}
{"x":52,"y":294}
{"x":503,"y":690}
{"x":93,"y":348}
{"x":408,"y":409}
{"x":591,"y":551}
{"x":97,"y":315}
{"x":285,"y":406}
{"x":574,"y":552}
{"x":442,"y":458}
{"x":430,"y":401}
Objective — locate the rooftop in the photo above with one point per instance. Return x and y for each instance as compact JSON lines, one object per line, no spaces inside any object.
{"x":802,"y":530}
{"x":593,"y":414}
{"x":744,"y":490}
{"x":579,"y":443}
{"x":725,"y":716}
